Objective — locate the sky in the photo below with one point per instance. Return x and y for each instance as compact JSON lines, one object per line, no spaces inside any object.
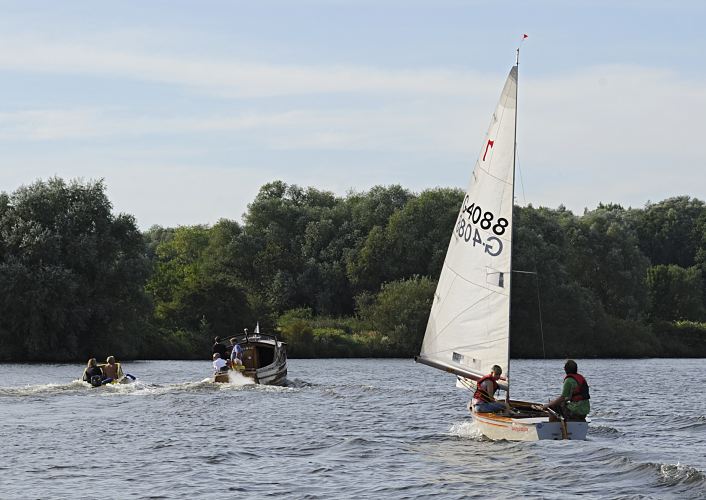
{"x":186,"y":108}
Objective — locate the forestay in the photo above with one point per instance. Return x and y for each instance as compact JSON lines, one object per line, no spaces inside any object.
{"x":469,"y":324}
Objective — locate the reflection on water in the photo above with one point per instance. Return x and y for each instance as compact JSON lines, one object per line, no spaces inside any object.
{"x":341,"y":428}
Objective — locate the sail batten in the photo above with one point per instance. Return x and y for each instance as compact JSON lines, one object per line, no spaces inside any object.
{"x":468,"y":329}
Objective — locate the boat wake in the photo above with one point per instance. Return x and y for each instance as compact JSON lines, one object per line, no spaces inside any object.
{"x":297,"y":383}
{"x":236,"y":383}
{"x":139,"y":388}
{"x":467,"y":430}
{"x":238,"y":379}
{"x":44,"y":389}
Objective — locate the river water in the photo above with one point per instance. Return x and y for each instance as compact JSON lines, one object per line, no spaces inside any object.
{"x":343,"y":429}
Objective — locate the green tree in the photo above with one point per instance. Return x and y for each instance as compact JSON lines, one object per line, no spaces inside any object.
{"x":412,"y":242}
{"x":675,"y":293}
{"x":400,"y":312}
{"x":573,"y":321}
{"x":603,"y":255}
{"x":671,"y":231}
{"x":192,"y":287}
{"x":72,"y":274}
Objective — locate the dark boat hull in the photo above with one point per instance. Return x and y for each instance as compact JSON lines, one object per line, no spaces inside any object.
{"x":264,"y":359}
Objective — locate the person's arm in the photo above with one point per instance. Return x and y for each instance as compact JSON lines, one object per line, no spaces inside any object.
{"x":557,"y":402}
{"x":566,"y":390}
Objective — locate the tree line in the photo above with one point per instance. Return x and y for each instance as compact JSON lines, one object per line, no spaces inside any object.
{"x":336,"y":276}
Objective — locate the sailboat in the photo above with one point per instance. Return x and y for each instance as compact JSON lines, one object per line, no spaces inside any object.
{"x":468,"y":331}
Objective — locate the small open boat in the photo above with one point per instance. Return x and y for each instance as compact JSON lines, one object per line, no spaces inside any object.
{"x":121,"y":378}
{"x":264,"y":358}
{"x":469,"y":324}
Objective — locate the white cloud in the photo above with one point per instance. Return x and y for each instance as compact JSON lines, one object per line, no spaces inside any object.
{"x":228,"y":78}
{"x":608,"y":133}
{"x":622,"y":134}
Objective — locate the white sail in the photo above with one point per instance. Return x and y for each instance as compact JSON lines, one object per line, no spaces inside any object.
{"x":469,"y":325}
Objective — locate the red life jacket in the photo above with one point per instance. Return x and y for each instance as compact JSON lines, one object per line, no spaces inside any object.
{"x":581,"y":391}
{"x":481,"y":394}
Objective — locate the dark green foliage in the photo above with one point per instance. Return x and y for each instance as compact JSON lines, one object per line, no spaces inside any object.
{"x":603,"y":256}
{"x":71,"y":274}
{"x":675,"y":293}
{"x":400,"y":312}
{"x":336,"y":276}
{"x":192,"y":287}
{"x":314,"y":337}
{"x":413,"y":241}
{"x":684,"y":339}
{"x":671,"y":231}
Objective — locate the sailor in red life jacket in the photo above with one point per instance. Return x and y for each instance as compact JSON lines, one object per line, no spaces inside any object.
{"x":484,"y":397}
{"x":574,"y":402}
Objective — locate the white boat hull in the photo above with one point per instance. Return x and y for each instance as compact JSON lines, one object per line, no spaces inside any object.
{"x":498,"y":427}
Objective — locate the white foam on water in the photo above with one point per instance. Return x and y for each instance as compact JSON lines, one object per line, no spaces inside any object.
{"x":679,"y":473}
{"x":238,"y":379}
{"x":34,"y":390}
{"x":466,"y":429}
{"x":142,"y":389}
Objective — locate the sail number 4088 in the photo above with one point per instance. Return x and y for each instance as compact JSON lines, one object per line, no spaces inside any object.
{"x":476,"y":216}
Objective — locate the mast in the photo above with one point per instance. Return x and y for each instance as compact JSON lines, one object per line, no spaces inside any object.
{"x":512,"y":232}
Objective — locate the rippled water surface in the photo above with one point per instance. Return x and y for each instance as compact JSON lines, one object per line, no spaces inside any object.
{"x":343,"y":429}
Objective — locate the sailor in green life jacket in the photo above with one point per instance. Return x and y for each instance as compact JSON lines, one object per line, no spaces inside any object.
{"x":574,"y":402}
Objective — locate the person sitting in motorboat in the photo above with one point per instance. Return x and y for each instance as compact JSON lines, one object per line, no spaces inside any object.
{"x":236,"y":356}
{"x":573,"y":404}
{"x":219,"y":364}
{"x":112,"y":370}
{"x":93,"y":373}
{"x":484,"y":398}
{"x":220,"y":348}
